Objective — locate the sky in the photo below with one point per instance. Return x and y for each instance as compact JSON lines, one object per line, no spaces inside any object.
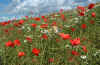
{"x":3,"y":3}
{"x":10,"y":9}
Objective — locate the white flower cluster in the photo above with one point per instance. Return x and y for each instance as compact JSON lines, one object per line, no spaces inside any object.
{"x":83,"y":56}
{"x":25,"y":41}
{"x":76,"y":20}
{"x":68,"y":46}
{"x":44,"y":31}
{"x":97,"y":53}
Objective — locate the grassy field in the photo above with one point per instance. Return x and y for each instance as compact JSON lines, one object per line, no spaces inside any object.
{"x":57,"y":39}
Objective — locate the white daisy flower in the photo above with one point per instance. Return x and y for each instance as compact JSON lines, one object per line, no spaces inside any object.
{"x":67,"y":46}
{"x":83,"y":57}
{"x":25,"y":41}
{"x":44,"y":31}
{"x":23,"y":27}
{"x":76,"y":18}
{"x":56,"y":29}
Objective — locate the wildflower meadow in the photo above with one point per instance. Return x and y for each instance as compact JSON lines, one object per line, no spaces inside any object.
{"x":63,"y":38}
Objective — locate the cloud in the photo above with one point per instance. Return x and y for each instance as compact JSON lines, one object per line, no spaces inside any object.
{"x":19,"y":6}
{"x":24,"y":7}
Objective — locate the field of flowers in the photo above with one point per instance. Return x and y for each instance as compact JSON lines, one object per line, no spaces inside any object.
{"x":63,"y":38}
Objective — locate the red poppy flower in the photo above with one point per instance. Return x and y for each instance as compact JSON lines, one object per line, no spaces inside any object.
{"x":51,"y":60}
{"x":16,"y":24}
{"x":9,"y":44}
{"x":54,"y":23}
{"x":70,"y":59}
{"x":17,"y":42}
{"x":73,"y":29}
{"x":83,"y":26}
{"x":11,"y":28}
{"x":93,"y":14}
{"x":37,"y":19}
{"x":91,"y":6}
{"x":81,"y":8}
{"x":21,"y":22}
{"x":57,"y":40}
{"x":35,"y":51}
{"x":6,"y":30}
{"x":44,"y":36}
{"x":84,"y":49}
{"x":29,"y":39}
{"x":44,"y":26}
{"x":75,"y":53}
{"x":26,"y":17}
{"x":20,"y":54}
{"x":75,"y":41}
{"x":81,"y":13}
{"x":33,"y":25}
{"x":62,"y":16}
{"x":61,"y":10}
{"x":43,"y":17}
{"x":84,"y":39}
{"x":92,"y":21}
{"x":4,"y":23}
{"x":9,"y":21}
{"x":31,"y":18}
{"x":64,"y":36}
